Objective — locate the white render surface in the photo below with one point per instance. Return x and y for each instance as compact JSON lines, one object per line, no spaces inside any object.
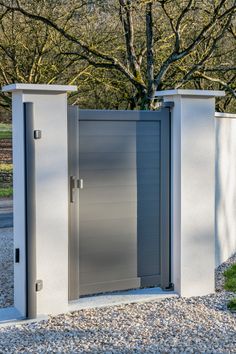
{"x":19,"y":202}
{"x":225,"y":186}
{"x":50,"y":112}
{"x":50,"y":116}
{"x":193,"y":191}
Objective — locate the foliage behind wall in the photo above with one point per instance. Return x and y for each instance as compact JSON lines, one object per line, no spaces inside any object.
{"x":119,"y":52}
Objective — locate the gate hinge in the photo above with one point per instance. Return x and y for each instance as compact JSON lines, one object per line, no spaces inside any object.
{"x":38,"y":285}
{"x":37,"y":134}
{"x":170,"y":287}
{"x":168,"y":104}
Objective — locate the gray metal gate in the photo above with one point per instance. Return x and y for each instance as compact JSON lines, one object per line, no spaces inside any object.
{"x":119,"y":173}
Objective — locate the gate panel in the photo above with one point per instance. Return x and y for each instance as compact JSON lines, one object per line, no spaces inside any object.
{"x":107,"y":259}
{"x":122,"y":232}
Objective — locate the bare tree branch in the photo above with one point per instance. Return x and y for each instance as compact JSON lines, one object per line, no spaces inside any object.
{"x":219,"y":81}
{"x":88,"y":50}
{"x":176,"y":55}
{"x":207,"y":55}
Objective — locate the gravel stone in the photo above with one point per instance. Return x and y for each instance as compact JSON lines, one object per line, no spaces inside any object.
{"x":175,"y":325}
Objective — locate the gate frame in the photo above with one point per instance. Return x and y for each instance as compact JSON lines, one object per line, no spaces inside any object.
{"x":73,"y":177}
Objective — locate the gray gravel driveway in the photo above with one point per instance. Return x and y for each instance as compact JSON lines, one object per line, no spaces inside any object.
{"x":175,"y":325}
{"x":6,"y":213}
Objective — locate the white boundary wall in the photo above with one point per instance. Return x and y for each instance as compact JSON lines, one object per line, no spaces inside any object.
{"x":192,"y":195}
{"x":225,"y":126}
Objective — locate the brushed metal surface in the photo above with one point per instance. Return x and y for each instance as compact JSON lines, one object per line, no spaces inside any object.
{"x":119,"y":208}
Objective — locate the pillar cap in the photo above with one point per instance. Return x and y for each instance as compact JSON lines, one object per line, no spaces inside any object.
{"x":225,"y":115}
{"x":38,"y":87}
{"x":181,"y":92}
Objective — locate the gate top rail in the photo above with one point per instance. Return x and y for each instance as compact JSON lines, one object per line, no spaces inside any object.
{"x":125,"y":115}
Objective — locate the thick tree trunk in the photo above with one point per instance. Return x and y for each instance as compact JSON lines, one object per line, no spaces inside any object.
{"x":150,"y":57}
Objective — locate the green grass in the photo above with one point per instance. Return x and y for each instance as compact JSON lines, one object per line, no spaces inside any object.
{"x":230,"y":278}
{"x":5,"y":126}
{"x":6,"y":167}
{"x":5,"y":135}
{"x":6,"y":192}
{"x":5,"y":131}
{"x":232,"y":304}
{"x":230,"y":285}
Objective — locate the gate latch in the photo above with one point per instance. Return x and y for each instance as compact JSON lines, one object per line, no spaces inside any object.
{"x":72,"y":187}
{"x":80,"y":183}
{"x":17,"y":255}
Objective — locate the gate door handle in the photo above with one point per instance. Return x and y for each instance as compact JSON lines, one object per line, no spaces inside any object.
{"x":80,"y":183}
{"x":72,"y":187}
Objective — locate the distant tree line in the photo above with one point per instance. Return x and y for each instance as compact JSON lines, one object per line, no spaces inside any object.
{"x":119,"y":52}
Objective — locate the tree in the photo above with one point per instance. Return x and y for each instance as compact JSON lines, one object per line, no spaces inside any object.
{"x":149,"y":44}
{"x":29,"y":52}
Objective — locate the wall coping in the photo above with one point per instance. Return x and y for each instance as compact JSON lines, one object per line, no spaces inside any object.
{"x":181,"y":92}
{"x":225,"y":115}
{"x":38,"y":87}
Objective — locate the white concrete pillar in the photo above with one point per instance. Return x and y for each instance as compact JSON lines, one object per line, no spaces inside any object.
{"x":193,"y":190}
{"x":51,"y":194}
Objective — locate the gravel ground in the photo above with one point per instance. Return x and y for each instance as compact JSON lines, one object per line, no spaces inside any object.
{"x":175,"y":325}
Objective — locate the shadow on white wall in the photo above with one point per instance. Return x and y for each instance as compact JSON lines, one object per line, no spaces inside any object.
{"x":225,"y":196}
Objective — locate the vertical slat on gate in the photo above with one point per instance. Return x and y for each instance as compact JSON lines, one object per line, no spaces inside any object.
{"x":73,"y":173}
{"x":148,"y":201}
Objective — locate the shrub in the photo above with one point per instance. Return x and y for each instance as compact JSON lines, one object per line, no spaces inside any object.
{"x":230,"y":278}
{"x":232,"y":304}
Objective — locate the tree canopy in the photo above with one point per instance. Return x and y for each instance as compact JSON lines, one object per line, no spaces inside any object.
{"x":119,"y":52}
